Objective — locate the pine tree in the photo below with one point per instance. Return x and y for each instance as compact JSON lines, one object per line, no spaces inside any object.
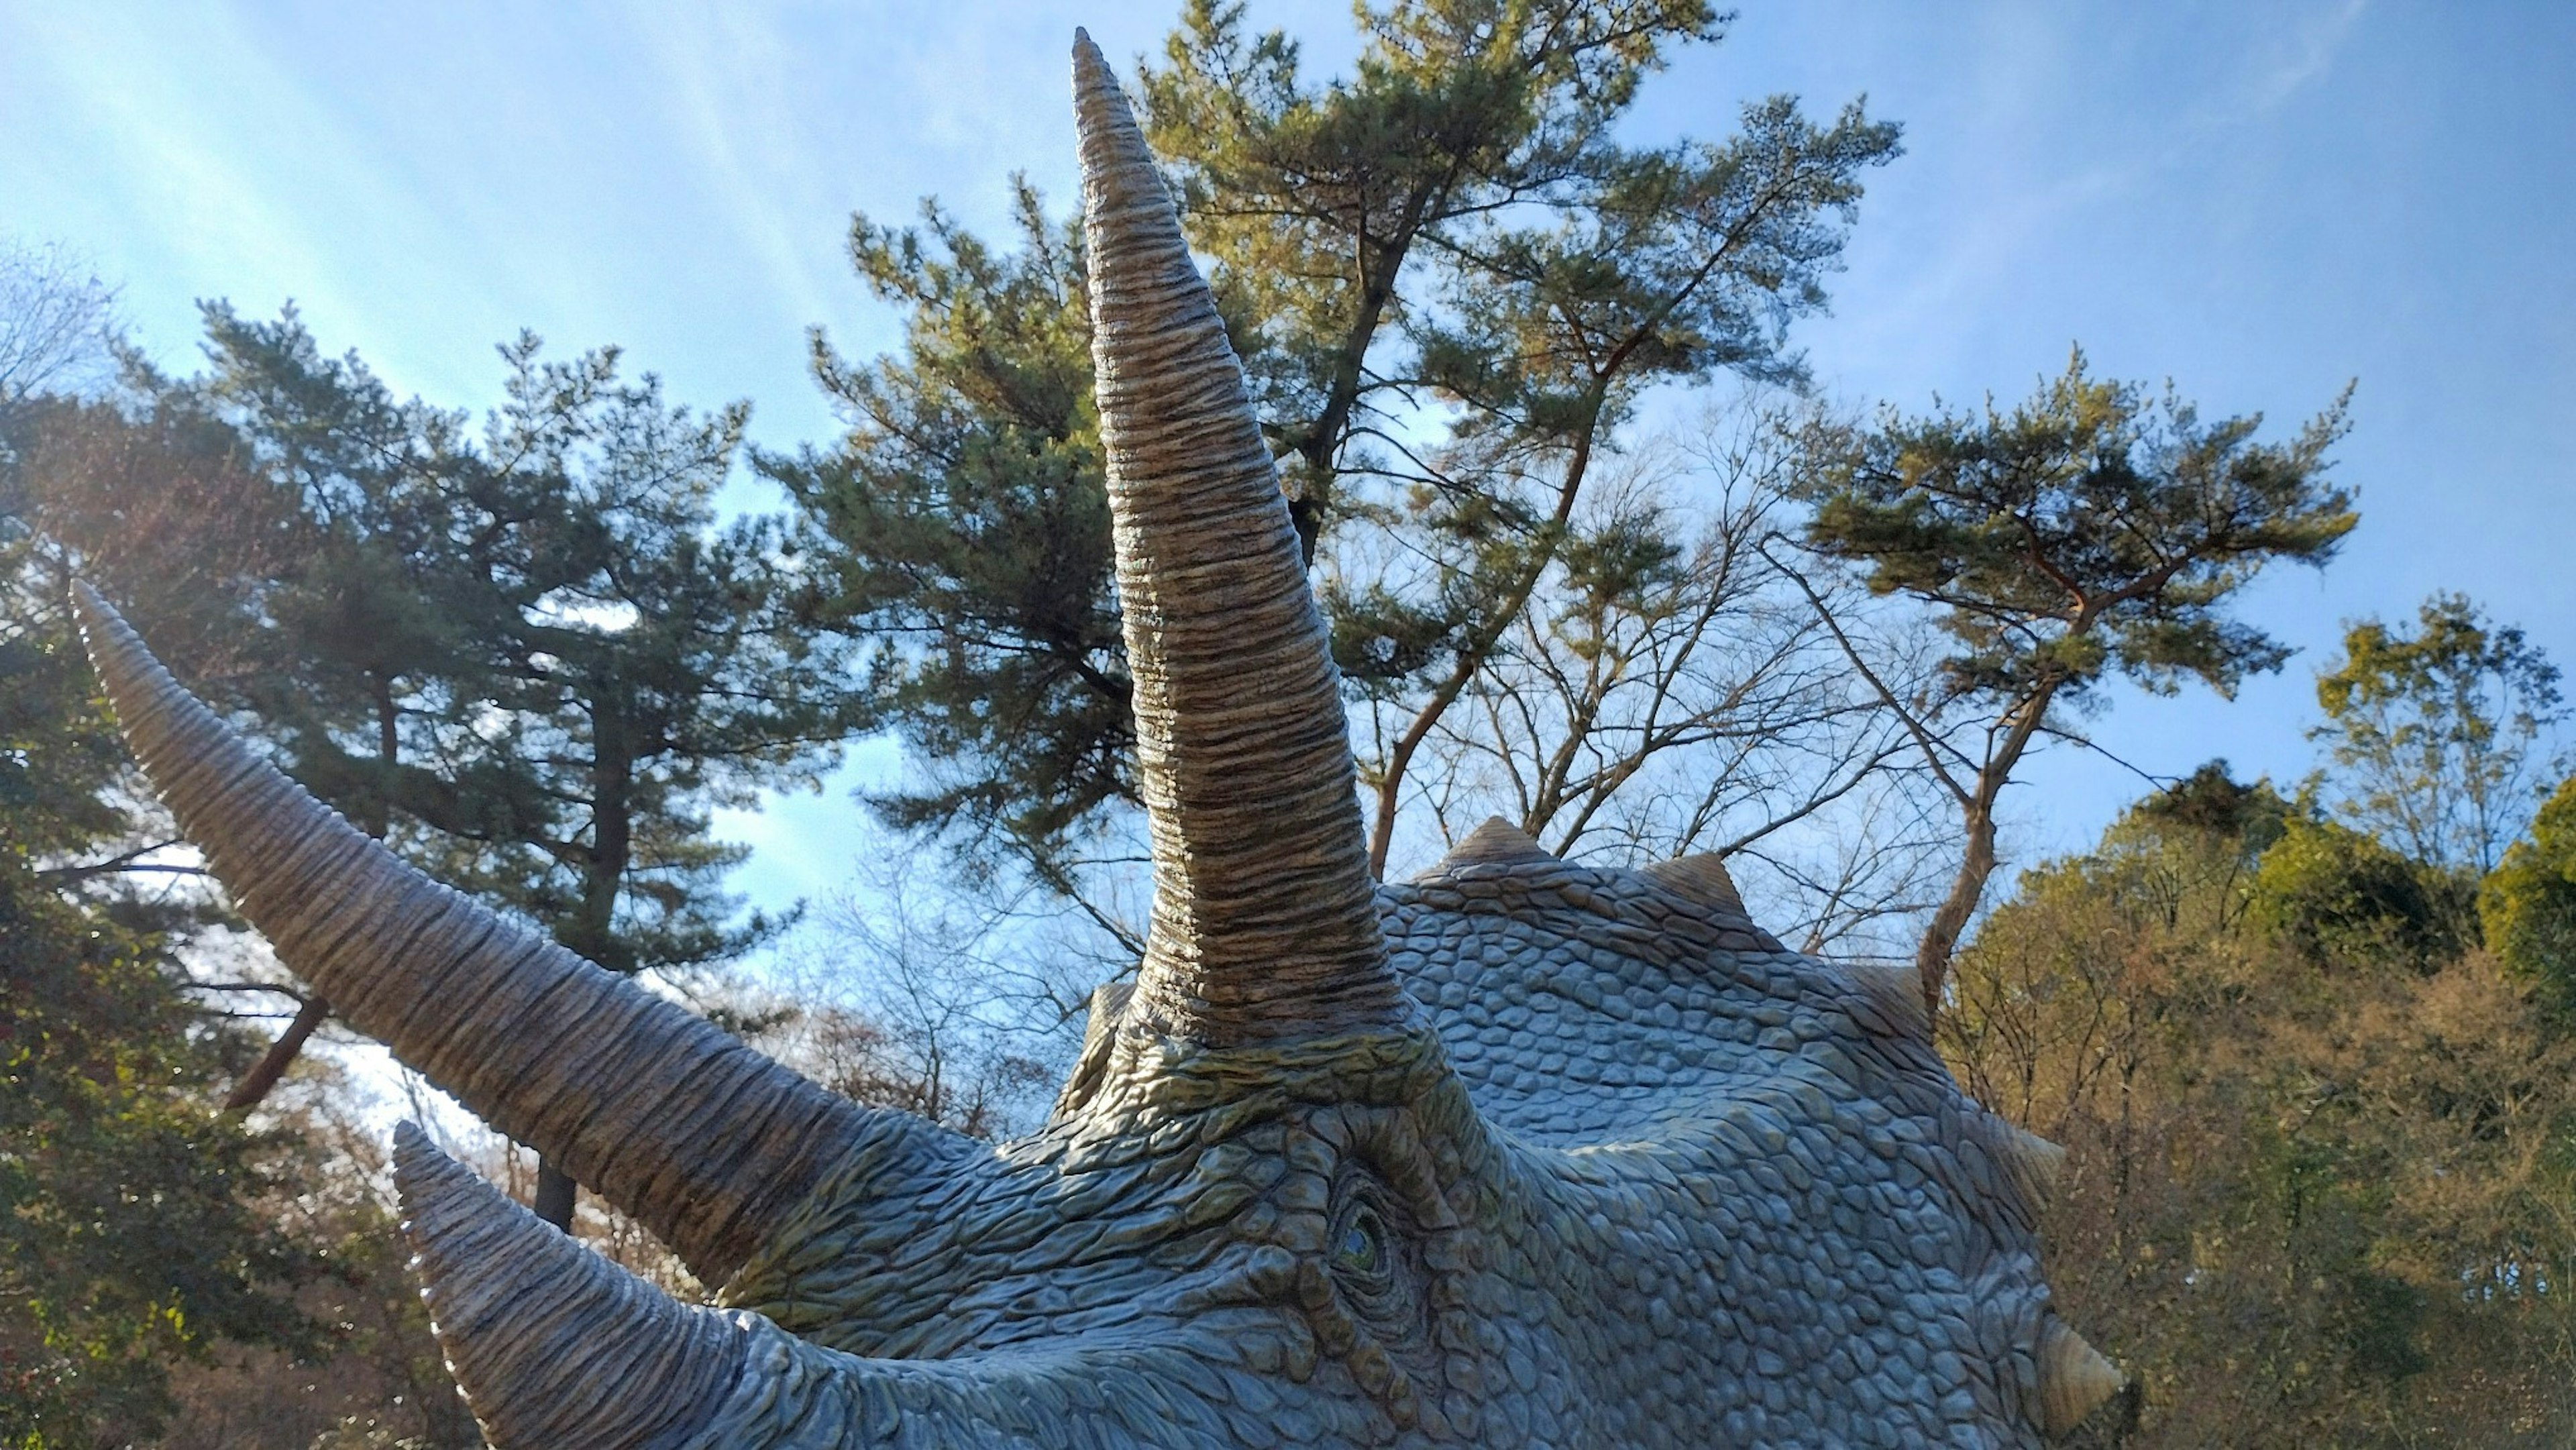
{"x":2091,"y":531}
{"x":1451,"y":285}
{"x":132,"y":1235}
{"x":527,"y":656}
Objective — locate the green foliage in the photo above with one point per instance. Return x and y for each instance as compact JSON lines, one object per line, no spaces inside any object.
{"x":526,"y":655}
{"x":2332,"y":895}
{"x":1465,"y":284}
{"x":132,"y":1229}
{"x":133,"y":1232}
{"x":383,"y":1374}
{"x":1449,"y":284}
{"x":2436,"y":736}
{"x":2090,"y":530}
{"x":2528,"y":903}
{"x":59,"y":752}
{"x":1316,"y":201}
{"x":129,"y":1236}
{"x":2086,"y":533}
{"x":966,"y":527}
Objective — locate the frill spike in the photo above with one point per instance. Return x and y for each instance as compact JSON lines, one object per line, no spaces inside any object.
{"x":2034,"y":1163}
{"x":1700,"y":878}
{"x":1495,"y":843}
{"x":1888,"y":998}
{"x":2074,"y":1378}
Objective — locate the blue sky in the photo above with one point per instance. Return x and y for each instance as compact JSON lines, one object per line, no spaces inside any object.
{"x":2258,"y":202}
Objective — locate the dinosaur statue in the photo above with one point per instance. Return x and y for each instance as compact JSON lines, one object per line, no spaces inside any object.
{"x":1518,"y":1153}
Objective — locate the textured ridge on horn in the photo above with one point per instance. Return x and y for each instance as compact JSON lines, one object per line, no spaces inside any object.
{"x":669,"y":1116}
{"x":1264,"y":923}
{"x":556,"y":1348}
{"x":552,"y":1344}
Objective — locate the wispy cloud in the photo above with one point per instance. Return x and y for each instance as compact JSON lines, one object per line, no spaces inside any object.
{"x":2313,"y":41}
{"x":162,"y":145}
{"x":731,"y":78}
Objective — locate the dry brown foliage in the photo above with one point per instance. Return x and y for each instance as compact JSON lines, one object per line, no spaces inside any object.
{"x":2305,"y":1203}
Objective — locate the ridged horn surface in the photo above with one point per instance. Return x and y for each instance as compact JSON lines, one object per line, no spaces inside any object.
{"x":1264,"y":924}
{"x":2074,"y":1378}
{"x":668,"y":1116}
{"x":552,"y":1344}
{"x":557,"y":1348}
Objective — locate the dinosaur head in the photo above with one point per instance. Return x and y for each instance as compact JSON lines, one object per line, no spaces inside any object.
{"x":1519,"y":1153}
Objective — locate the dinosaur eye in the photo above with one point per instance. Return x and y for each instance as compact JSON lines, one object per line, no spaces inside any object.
{"x":1362,"y":1247}
{"x":1371,"y":1256}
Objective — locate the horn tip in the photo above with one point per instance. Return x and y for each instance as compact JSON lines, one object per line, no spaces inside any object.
{"x":91,"y":608}
{"x":1098,"y":100}
{"x":423,"y":1175}
{"x":412,"y":1149}
{"x":529,"y":1317}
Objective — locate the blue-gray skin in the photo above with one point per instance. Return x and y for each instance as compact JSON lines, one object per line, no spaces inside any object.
{"x":1519,"y":1153}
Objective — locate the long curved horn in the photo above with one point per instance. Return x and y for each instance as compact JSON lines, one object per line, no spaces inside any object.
{"x":552,"y":1344}
{"x":671,"y":1118}
{"x":556,"y":1347}
{"x":1264,"y":925}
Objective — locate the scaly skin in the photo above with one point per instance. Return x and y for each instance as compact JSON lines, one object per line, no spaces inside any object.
{"x":1651,"y":1181}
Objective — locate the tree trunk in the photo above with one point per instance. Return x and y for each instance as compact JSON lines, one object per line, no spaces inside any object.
{"x":1473,"y":658}
{"x":380,"y":810}
{"x":593,"y":927}
{"x":1941,"y":937}
{"x":253,"y":1089}
{"x":1977,"y":814}
{"x":556,"y":1193}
